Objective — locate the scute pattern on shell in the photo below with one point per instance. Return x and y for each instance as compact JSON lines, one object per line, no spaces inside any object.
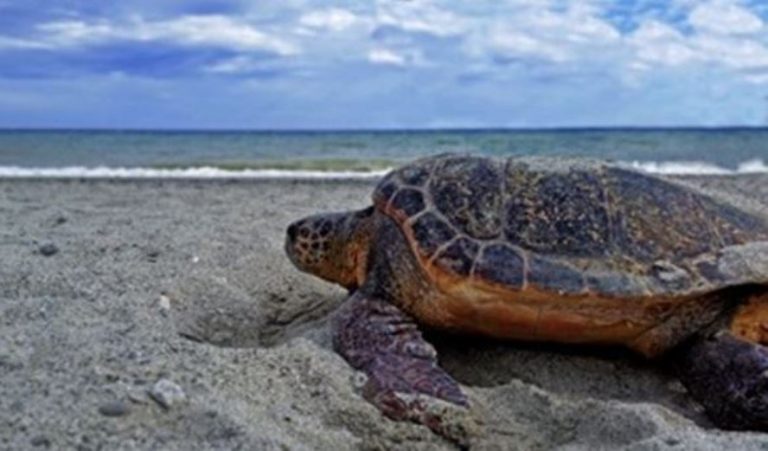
{"x":556,"y":213}
{"x":653,"y":220}
{"x":563,"y":226}
{"x":469,"y":193}
{"x":459,"y":256}
{"x":431,"y":232}
{"x":409,"y":200}
{"x":500,"y":263}
{"x":549,"y":274}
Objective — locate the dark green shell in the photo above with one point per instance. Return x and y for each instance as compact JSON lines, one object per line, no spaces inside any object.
{"x":568,"y":226}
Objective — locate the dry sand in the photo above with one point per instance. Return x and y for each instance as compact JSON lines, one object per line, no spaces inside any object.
{"x":185,"y":282}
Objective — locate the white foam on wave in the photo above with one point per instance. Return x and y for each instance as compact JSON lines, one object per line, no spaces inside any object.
{"x":698,"y":167}
{"x":181,"y":173}
{"x":753,"y":166}
{"x":665,"y":167}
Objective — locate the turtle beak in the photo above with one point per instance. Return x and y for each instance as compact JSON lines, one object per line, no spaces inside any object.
{"x":291,"y":233}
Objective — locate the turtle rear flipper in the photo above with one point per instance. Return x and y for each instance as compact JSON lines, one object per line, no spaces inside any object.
{"x":404,"y":380}
{"x":726,"y":370}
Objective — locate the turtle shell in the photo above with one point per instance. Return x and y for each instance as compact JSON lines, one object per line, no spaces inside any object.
{"x":569,"y":227}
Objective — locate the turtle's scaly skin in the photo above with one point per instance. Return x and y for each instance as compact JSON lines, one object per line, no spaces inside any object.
{"x":564,"y":251}
{"x":544,"y":249}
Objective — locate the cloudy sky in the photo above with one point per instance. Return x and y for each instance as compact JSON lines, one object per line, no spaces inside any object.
{"x":307,"y":64}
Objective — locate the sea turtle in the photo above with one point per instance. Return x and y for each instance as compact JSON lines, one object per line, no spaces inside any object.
{"x":544,"y":249}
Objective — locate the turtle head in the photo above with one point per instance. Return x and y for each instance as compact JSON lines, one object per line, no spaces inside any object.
{"x":333,"y":246}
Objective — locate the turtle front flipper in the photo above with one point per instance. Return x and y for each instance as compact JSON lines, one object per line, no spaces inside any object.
{"x":726,"y":370}
{"x":404,"y":380}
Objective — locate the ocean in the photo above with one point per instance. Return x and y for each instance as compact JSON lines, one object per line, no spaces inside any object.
{"x":118,"y":153}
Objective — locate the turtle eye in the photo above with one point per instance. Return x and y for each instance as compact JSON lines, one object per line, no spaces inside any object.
{"x":325,"y":228}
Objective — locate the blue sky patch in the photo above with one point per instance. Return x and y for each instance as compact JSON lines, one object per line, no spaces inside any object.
{"x":304,"y":64}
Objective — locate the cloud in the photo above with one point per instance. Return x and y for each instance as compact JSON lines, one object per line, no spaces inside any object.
{"x":19,"y":44}
{"x":333,"y":19}
{"x":540,"y":33}
{"x":723,"y":17}
{"x":386,"y":56}
{"x":724,"y":36}
{"x":237,"y":64}
{"x":194,"y":31}
{"x":250,"y":67}
{"x":658,"y":43}
{"x":733,"y":53}
{"x":415,"y":33}
{"x":419,"y":16}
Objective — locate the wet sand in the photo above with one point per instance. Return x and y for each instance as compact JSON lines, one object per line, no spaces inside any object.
{"x":109,"y":287}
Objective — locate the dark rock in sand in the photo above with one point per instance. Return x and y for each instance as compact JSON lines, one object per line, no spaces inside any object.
{"x":40,"y":441}
{"x":114,"y":409}
{"x":48,"y":249}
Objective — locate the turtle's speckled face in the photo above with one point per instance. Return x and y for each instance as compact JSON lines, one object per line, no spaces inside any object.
{"x":331,"y":246}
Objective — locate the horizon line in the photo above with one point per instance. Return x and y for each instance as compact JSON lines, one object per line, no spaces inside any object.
{"x":389,"y":129}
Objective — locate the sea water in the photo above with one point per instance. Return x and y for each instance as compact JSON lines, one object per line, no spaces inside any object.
{"x":117,"y":153}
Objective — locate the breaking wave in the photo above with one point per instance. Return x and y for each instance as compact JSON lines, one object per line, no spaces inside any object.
{"x":210,"y":172}
{"x":182,"y":173}
{"x":698,"y":167}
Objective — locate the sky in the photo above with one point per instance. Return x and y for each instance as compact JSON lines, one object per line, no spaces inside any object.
{"x":382,"y":64}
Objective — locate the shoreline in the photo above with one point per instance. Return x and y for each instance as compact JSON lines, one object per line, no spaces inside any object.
{"x":341,"y":169}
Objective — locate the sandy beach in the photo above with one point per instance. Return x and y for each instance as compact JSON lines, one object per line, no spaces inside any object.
{"x":163,"y":314}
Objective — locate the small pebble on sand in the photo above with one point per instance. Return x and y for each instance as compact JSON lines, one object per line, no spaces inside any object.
{"x":153,"y":255}
{"x":48,"y":249}
{"x":164,"y":303}
{"x":40,"y":441}
{"x":114,"y":409}
{"x":167,"y":393}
